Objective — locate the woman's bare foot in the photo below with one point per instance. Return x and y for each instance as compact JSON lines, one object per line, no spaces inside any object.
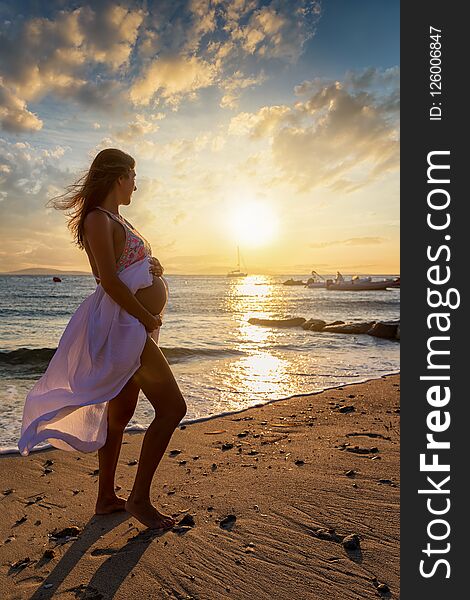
{"x":105,"y":506}
{"x":148,"y":515}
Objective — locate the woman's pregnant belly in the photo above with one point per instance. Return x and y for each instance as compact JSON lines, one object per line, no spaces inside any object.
{"x":154,"y":297}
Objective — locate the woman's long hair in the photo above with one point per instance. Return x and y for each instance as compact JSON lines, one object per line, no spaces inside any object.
{"x":92,"y":188}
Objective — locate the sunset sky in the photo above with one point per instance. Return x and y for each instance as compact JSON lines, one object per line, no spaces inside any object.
{"x":270,"y":124}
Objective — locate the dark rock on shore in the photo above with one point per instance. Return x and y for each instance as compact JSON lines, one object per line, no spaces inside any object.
{"x":188,"y":521}
{"x":69,"y":532}
{"x":347,"y":409}
{"x":329,"y":534}
{"x":174,"y":452}
{"x":359,"y":450}
{"x":228,"y":522}
{"x":351,"y":542}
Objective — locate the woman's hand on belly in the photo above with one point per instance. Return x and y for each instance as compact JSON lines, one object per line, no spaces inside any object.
{"x":156,"y":268}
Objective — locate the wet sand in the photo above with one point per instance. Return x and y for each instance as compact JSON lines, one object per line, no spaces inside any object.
{"x":265,"y":502}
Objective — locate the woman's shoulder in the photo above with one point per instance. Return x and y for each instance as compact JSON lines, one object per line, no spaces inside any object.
{"x":95,"y":221}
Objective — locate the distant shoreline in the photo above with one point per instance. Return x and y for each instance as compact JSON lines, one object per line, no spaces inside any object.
{"x":59,"y":272}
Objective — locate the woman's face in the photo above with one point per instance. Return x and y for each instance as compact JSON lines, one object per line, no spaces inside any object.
{"x":128,"y":185}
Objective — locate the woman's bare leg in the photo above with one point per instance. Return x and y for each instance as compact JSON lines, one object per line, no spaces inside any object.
{"x":120,"y":411}
{"x":159,"y":386}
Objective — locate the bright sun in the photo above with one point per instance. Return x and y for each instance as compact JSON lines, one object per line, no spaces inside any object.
{"x":253,"y":223}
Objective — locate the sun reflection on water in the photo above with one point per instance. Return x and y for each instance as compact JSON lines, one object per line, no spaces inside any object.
{"x":260,"y":371}
{"x":252,"y":296}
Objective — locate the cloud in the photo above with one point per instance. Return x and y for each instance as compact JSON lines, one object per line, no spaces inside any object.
{"x":230,"y":29}
{"x":371,"y":77}
{"x":27,"y":176}
{"x":259,"y":124}
{"x":111,"y":33}
{"x":189,"y":45}
{"x":14,"y":116}
{"x":106,"y":54}
{"x":355,"y":241}
{"x":338,"y":137}
{"x":173,"y":78}
{"x":56,"y":56}
{"x":233,"y":85}
{"x":176,"y":150}
{"x":277,"y":29}
{"x":138,"y":128}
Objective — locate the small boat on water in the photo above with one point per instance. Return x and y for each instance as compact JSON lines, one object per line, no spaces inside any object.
{"x":56,"y":279}
{"x":357,"y":284}
{"x":293,"y":282}
{"x":396,"y":283}
{"x":236,"y":272}
{"x":316,"y":281}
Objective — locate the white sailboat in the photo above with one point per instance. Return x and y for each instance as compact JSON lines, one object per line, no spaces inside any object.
{"x":237,"y":272}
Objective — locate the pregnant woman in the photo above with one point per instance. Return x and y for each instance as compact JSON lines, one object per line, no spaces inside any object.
{"x":109,"y":349}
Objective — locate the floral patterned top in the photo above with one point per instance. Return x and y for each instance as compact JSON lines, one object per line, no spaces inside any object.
{"x":136,"y":246}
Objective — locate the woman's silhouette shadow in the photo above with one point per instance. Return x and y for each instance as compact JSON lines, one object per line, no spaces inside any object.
{"x":109,"y":576}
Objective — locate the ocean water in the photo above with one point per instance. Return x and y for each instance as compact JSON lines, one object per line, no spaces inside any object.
{"x":222,"y":363}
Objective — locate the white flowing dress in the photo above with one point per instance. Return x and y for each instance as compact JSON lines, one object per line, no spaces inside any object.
{"x":98,"y":353}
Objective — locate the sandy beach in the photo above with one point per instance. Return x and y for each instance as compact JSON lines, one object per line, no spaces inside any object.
{"x":265,"y":500}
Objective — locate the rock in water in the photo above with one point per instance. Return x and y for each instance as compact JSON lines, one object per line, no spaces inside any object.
{"x":350,"y":327}
{"x":385,"y":329}
{"x":314,"y":325}
{"x":295,"y":322}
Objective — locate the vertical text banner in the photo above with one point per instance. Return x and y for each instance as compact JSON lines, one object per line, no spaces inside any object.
{"x":435,"y":238}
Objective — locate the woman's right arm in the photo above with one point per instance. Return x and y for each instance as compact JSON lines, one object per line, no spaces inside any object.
{"x":99,"y":234}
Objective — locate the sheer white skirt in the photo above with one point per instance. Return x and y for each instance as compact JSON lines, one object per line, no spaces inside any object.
{"x":97,"y":354}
